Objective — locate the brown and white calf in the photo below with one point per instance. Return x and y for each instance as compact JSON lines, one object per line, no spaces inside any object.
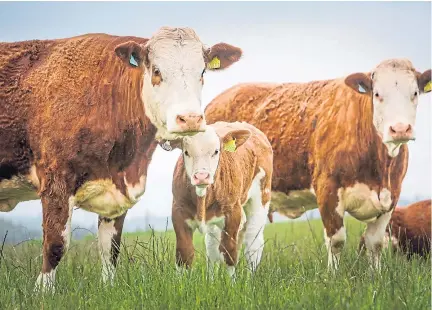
{"x":80,"y":118}
{"x":409,"y":230}
{"x":339,"y":145}
{"x":222,"y":186}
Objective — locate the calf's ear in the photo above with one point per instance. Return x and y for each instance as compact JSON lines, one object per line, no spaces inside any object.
{"x":220,"y":56}
{"x":360,"y":82}
{"x":234,"y":139}
{"x":424,"y":81}
{"x":131,"y":53}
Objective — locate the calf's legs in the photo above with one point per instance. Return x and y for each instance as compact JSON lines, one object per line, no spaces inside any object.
{"x":184,"y":244}
{"x":109,"y":237}
{"x":256,"y":215}
{"x":228,"y":246}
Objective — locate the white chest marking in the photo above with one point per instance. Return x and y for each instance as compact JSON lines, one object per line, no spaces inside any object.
{"x":201,"y":191}
{"x":363,"y":203}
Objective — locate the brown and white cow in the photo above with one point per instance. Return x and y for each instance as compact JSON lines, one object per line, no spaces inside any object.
{"x":339,"y":145}
{"x":409,"y":230}
{"x":80,"y":119}
{"x":222,"y":186}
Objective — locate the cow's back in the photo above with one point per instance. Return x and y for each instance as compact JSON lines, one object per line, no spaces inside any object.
{"x":287,"y":114}
{"x":411,"y":226}
{"x":70,"y":102}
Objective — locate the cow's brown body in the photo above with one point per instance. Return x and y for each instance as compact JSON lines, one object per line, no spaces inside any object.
{"x":320,"y":132}
{"x":70,"y":113}
{"x":409,"y":229}
{"x":324,"y":145}
{"x":226,"y":198}
{"x":79,"y":120}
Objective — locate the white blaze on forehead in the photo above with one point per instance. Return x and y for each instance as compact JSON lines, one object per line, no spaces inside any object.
{"x":394,"y":87}
{"x":204,"y":143}
{"x":178,"y":54}
{"x":201,"y":155}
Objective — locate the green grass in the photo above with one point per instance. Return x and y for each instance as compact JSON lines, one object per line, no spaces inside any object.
{"x":292,"y":275}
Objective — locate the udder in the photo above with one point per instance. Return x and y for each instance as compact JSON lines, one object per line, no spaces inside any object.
{"x":17,"y":189}
{"x":295,"y":204}
{"x":104,"y":198}
{"x":363,"y":203}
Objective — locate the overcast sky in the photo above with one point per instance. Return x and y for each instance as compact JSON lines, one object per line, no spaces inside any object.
{"x":282,"y":42}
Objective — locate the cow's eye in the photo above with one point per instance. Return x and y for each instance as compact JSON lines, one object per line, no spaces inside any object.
{"x":415,"y":94}
{"x":186,"y":153}
{"x":216,"y":152}
{"x":204,"y":71}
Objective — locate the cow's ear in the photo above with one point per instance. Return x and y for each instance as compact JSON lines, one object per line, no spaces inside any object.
{"x":360,"y":82}
{"x":424,"y":81}
{"x":220,"y":56}
{"x":131,"y":53}
{"x":234,"y":139}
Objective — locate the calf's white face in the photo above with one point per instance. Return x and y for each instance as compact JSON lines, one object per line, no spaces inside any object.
{"x":202,"y":153}
{"x":395,"y":87}
{"x":174,"y":62}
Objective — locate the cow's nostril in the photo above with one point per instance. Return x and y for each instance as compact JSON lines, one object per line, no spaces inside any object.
{"x":409,"y":129}
{"x":392,"y":130}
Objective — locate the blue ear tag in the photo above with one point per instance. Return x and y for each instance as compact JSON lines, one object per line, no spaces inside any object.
{"x":132,"y":61}
{"x":361,"y":89}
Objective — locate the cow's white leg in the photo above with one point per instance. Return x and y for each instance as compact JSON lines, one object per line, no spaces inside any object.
{"x":334,"y":246}
{"x":57,"y":214}
{"x":254,"y":235}
{"x":212,"y":241}
{"x":106,"y":232}
{"x":332,"y":211}
{"x":109,"y":236}
{"x":373,"y":239}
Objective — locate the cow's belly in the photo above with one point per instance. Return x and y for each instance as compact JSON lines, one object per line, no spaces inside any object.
{"x":17,"y":189}
{"x":295,"y":204}
{"x":363,"y":203}
{"x":104,"y":198}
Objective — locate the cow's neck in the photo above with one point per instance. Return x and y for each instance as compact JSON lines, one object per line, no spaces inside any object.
{"x":380,"y":165}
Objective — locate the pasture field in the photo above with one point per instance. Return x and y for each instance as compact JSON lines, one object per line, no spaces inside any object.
{"x":293,"y":275}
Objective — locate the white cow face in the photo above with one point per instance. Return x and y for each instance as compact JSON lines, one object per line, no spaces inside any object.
{"x":394,"y":86}
{"x":201,"y":153}
{"x":174,"y":61}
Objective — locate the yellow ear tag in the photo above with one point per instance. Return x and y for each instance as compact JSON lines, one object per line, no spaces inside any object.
{"x":428,"y":87}
{"x":214,"y":63}
{"x":230,"y":146}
